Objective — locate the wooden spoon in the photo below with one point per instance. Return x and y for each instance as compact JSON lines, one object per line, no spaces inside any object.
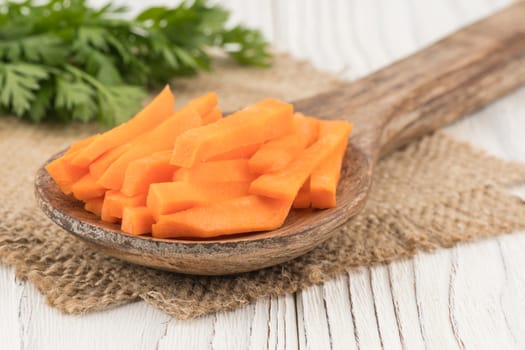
{"x":389,"y":108}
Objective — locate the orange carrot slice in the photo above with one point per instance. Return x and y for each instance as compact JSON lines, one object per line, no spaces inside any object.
{"x":238,"y":153}
{"x":94,"y":205}
{"x":148,"y":118}
{"x":159,"y":139}
{"x":303,"y":200}
{"x":238,"y":215}
{"x":115,"y":202}
{"x":170,"y":197}
{"x":324,"y":179}
{"x":204,"y":104}
{"x":64,"y":174}
{"x":265,"y":120}
{"x":233,"y":170}
{"x":285,"y":183}
{"x":87,"y":188}
{"x":75,"y":147}
{"x":105,"y":216}
{"x":101,"y":164}
{"x":137,"y":220}
{"x":276,"y":154}
{"x":212,"y":117}
{"x":143,"y":172}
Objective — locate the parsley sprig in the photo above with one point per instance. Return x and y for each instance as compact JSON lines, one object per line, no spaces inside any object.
{"x":64,"y":60}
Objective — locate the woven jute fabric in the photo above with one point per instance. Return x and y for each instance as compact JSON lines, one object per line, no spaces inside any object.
{"x":434,"y":193}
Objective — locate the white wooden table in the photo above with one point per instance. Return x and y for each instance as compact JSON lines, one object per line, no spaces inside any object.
{"x":468,"y":297}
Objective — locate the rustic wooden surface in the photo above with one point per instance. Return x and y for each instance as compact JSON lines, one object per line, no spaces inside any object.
{"x":467,"y":297}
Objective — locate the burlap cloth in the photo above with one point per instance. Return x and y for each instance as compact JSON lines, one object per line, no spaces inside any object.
{"x":434,"y":193}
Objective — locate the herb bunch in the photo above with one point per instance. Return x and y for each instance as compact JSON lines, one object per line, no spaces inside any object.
{"x":64,"y":60}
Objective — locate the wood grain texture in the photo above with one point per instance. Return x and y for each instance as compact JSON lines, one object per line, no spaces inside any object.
{"x":378,"y":32}
{"x":416,"y":95}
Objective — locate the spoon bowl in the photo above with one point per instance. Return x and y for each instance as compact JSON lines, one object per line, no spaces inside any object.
{"x":303,"y":230}
{"x":421,"y":93}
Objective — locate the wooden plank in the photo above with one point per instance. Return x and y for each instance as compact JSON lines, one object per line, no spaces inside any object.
{"x":339,"y":313}
{"x":512,"y":298}
{"x":12,"y":301}
{"x":432,"y":299}
{"x":187,"y":334}
{"x":135,"y":326}
{"x":476,"y":281}
{"x":232,"y":329}
{"x":385,"y":306}
{"x":316,"y":328}
{"x":364,"y":312}
{"x":403,"y":288}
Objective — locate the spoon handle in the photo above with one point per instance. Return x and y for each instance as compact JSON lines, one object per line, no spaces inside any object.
{"x":455,"y":76}
{"x":433,"y":87}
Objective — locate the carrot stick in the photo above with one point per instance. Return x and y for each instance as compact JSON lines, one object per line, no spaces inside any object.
{"x":265,"y":120}
{"x":233,"y":170}
{"x":212,"y":117}
{"x":137,"y":220}
{"x":115,"y":202}
{"x":285,"y":183}
{"x":159,"y":139}
{"x":276,"y":154}
{"x":143,"y":172}
{"x":148,"y":118}
{"x":238,"y":153}
{"x":170,"y":197}
{"x":94,"y":205}
{"x":105,"y":216}
{"x":303,"y":200}
{"x":64,"y":174}
{"x":324,"y":179}
{"x":87,"y":188}
{"x":204,"y":104}
{"x":238,"y":215}
{"x":78,"y":145}
{"x":102,"y":163}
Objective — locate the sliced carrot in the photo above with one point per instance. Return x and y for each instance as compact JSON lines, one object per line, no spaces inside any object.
{"x":159,"y":139}
{"x":102,"y":163}
{"x":285,"y":183}
{"x":324,"y":179}
{"x":94,"y":205}
{"x":212,"y":117}
{"x":238,"y":215}
{"x":143,"y":172}
{"x":115,"y":202}
{"x":105,"y":216}
{"x":148,"y":118}
{"x":65,"y":174}
{"x":238,"y":153}
{"x":204,"y":104}
{"x":137,"y":220}
{"x":192,"y":173}
{"x":233,"y":170}
{"x":265,"y":120}
{"x":79,"y":145}
{"x":170,"y":197}
{"x":87,"y":188}
{"x":303,"y":200}
{"x":276,"y":154}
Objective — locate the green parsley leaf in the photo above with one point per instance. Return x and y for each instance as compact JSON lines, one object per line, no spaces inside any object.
{"x":64,"y":60}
